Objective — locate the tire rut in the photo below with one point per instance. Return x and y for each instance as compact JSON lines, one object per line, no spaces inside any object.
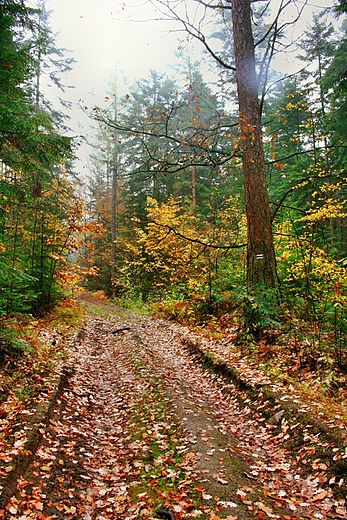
{"x":140,"y":413}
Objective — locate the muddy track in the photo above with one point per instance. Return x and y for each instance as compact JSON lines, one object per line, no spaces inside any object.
{"x":141,"y":425}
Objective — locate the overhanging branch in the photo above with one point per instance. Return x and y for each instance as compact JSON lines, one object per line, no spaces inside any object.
{"x":196,"y":240}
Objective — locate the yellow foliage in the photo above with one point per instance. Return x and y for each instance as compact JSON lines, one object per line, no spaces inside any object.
{"x":302,"y":265}
{"x":173,"y":248}
{"x":331,"y":208}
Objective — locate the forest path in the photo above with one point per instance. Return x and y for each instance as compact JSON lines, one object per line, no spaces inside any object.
{"x":141,"y":425}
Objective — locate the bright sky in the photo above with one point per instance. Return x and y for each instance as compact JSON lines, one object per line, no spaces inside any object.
{"x":99,"y":40}
{"x":93,"y":30}
{"x":100,"y":43}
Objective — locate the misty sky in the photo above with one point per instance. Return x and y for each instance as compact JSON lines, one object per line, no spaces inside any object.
{"x":100,"y":38}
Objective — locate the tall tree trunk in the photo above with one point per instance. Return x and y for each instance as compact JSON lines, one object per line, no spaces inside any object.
{"x":194,"y":190}
{"x":114,"y":212}
{"x":261,"y":260}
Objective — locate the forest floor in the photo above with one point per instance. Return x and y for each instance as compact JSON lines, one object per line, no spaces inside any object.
{"x":143,"y":414}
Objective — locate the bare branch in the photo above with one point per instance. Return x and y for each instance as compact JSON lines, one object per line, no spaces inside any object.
{"x":196,"y":240}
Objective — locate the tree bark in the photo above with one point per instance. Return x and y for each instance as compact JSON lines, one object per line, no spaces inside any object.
{"x":261,"y":260}
{"x":114,"y":214}
{"x":194,"y":206}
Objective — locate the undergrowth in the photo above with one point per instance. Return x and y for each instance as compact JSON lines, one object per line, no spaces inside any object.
{"x":31,"y":348}
{"x":291,"y":351}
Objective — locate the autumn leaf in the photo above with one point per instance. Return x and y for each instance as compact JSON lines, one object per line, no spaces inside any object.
{"x":319,"y":496}
{"x":116,"y":453}
{"x":265,"y":509}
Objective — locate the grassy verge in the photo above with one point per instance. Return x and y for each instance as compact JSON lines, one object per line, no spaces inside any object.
{"x":163,"y":466}
{"x":31,"y":352}
{"x":30,"y":349}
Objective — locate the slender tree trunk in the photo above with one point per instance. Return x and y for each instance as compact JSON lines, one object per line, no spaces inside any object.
{"x":38,"y":80}
{"x":114,"y":214}
{"x":44,"y":297}
{"x":261,"y":260}
{"x":194,"y":189}
{"x":10,"y":299}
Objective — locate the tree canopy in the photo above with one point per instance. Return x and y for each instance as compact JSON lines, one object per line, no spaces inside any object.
{"x":211,"y":196}
{"x":40,"y":211}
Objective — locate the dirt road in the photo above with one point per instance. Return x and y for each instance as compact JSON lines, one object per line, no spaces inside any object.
{"x":141,"y":426}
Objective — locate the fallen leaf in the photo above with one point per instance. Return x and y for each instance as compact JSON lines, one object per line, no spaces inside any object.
{"x":319,"y":496}
{"x":265,"y":509}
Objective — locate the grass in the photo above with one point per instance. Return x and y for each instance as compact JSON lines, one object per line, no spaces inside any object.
{"x":163,"y":478}
{"x":32,"y":349}
{"x":68,"y":315}
{"x":96,"y":310}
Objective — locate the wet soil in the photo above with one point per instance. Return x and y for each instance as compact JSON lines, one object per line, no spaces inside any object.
{"x":139,"y":425}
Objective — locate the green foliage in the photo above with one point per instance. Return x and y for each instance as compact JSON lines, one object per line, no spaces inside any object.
{"x":133,"y":300}
{"x":259,"y":310}
{"x":16,"y":292}
{"x":314,"y":291}
{"x":38,"y":230}
{"x":171,"y":259}
{"x":41,"y":218}
{"x":12,"y":347}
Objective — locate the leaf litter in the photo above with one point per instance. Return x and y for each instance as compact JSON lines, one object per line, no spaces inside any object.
{"x":142,"y":426}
